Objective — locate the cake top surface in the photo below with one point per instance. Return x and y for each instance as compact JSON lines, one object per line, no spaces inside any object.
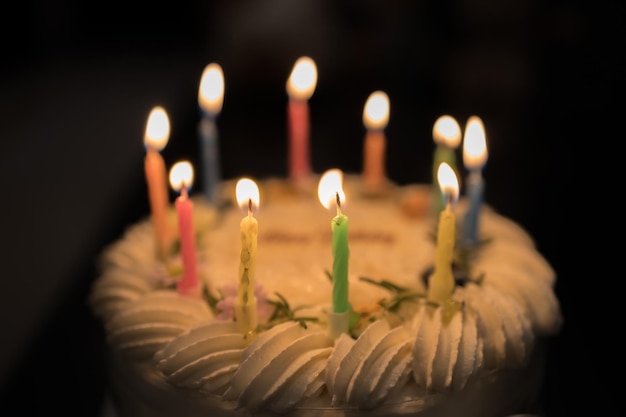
{"x":400,"y":344}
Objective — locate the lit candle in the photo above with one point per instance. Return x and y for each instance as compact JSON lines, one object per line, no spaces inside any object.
{"x":330,"y":190}
{"x":300,"y":87}
{"x":247,"y":194}
{"x":210,"y":100}
{"x":181,"y":179}
{"x":474,"y":158}
{"x":441,"y":283}
{"x":155,"y":138}
{"x":447,"y":137}
{"x":375,"y":119}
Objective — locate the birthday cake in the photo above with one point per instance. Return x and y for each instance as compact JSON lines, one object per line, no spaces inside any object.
{"x":398,"y":348}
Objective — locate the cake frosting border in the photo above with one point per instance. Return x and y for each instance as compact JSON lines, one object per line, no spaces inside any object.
{"x":129,"y":286}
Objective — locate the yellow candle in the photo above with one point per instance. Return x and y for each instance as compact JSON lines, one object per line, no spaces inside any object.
{"x":155,"y":138}
{"x":441,"y":283}
{"x":245,"y":307}
{"x":375,"y":119}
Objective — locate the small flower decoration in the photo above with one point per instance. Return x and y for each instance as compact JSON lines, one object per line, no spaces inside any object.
{"x":226,"y":306}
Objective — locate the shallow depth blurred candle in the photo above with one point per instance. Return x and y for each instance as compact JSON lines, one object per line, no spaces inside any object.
{"x":155,"y":138}
{"x":300,"y":87}
{"x":375,"y":119}
{"x":181,"y":179}
{"x":330,"y":191}
{"x":210,"y":100}
{"x":247,"y":194}
{"x":447,"y":137}
{"x":474,"y":158}
{"x":441,"y":283}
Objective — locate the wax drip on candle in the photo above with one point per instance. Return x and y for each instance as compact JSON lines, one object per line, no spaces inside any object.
{"x":247,"y":192}
{"x":474,"y":158}
{"x":300,"y":87}
{"x":155,"y":138}
{"x":375,"y":119}
{"x":210,"y":100}
{"x":181,"y":178}
{"x":447,"y":137}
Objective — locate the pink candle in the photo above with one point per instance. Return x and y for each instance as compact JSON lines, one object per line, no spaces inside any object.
{"x":155,"y":138}
{"x":181,"y":176}
{"x":300,"y":87}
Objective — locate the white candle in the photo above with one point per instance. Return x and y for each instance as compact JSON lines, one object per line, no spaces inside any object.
{"x":181,"y":179}
{"x":210,"y":100}
{"x":156,"y":136}
{"x":474,"y":158}
{"x":375,"y":119}
{"x":247,"y":193}
{"x":300,"y":87}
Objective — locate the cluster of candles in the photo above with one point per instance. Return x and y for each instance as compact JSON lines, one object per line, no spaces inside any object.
{"x":300,"y":87}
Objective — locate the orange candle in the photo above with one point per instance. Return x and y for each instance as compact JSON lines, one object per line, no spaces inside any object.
{"x":155,"y":138}
{"x":375,"y":119}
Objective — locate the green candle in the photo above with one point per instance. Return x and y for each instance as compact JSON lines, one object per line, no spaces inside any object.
{"x":341,"y":253}
{"x":447,"y":137}
{"x":329,"y":190}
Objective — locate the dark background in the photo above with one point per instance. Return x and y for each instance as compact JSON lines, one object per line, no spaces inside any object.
{"x":78,"y":80}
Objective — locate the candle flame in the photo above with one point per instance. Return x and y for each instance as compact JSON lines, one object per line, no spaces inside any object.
{"x":331,"y":186}
{"x":211,"y":90}
{"x":181,"y":175}
{"x":474,"y":143}
{"x":157,"y":129}
{"x":448,"y":182}
{"x":446,"y":131}
{"x":247,"y":192}
{"x":376,"y":110}
{"x":303,"y":79}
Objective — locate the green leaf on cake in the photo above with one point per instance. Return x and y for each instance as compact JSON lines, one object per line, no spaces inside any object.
{"x":284,"y":312}
{"x":211,"y":300}
{"x":398,"y":295}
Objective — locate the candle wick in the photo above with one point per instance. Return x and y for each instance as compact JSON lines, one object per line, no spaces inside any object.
{"x":249,"y":207}
{"x":338,"y":202}
{"x":448,"y":200}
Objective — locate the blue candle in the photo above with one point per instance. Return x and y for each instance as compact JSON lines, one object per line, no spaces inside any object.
{"x":447,"y":137}
{"x":210,"y":100}
{"x":474,"y":158}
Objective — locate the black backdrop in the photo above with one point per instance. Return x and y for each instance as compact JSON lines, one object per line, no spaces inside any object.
{"x":79,"y":79}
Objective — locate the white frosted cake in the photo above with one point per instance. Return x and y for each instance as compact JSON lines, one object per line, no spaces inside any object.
{"x":478,"y":353}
